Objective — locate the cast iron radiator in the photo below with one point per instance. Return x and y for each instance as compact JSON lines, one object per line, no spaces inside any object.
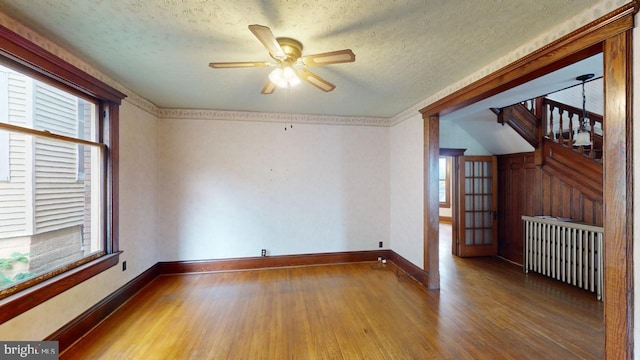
{"x":563,"y":250}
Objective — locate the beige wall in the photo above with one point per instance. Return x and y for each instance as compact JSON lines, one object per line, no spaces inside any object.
{"x":407,"y":181}
{"x":232,"y":188}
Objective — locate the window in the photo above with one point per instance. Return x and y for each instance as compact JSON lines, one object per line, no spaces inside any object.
{"x":4,"y":135}
{"x":58,"y":192}
{"x":45,"y":207}
{"x":443,"y":182}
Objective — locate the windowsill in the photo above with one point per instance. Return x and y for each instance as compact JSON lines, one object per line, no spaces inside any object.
{"x":31,"y":297}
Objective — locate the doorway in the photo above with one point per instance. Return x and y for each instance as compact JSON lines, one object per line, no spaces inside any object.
{"x":611,"y":35}
{"x":468,"y":200}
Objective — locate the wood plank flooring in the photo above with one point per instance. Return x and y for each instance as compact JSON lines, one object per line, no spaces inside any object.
{"x":486,"y":309}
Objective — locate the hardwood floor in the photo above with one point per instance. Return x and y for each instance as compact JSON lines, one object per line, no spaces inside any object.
{"x":486,"y":309}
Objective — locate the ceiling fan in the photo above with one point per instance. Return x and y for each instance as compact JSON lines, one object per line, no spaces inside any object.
{"x":290,"y":64}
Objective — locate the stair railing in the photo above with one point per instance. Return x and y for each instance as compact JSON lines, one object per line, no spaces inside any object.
{"x":562,"y":122}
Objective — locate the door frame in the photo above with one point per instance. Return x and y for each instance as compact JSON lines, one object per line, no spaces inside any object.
{"x":454,"y":154}
{"x":612,"y":36}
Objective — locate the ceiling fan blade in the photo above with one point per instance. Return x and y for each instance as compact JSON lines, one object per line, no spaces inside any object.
{"x":269,"y":88}
{"x":269,"y":41}
{"x":333,"y":57}
{"x":316,"y":80}
{"x":241,"y":64}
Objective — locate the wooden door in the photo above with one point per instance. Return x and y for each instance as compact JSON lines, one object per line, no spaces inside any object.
{"x":477,"y":208}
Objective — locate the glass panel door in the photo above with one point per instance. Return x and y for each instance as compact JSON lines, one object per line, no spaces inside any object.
{"x":478,"y":206}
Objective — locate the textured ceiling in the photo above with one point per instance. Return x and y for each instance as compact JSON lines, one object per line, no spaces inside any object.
{"x":406,"y":50}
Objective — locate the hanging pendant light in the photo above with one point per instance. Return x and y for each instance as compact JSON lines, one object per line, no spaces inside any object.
{"x":582,"y":136}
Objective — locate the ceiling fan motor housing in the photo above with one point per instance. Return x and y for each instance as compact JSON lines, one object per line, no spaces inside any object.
{"x":291,"y":47}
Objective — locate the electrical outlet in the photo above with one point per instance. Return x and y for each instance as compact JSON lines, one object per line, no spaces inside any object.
{"x":124,"y":265}
{"x":263,"y":252}
{"x":380,"y":244}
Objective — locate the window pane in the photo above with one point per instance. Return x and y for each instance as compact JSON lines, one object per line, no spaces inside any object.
{"x":468,"y":186}
{"x":49,"y":218}
{"x":442,"y":191}
{"x":443,"y":168}
{"x":51,"y":206}
{"x":468,"y":239}
{"x":5,"y":175}
{"x":36,"y":105}
{"x":443,"y":183}
{"x":4,"y":136}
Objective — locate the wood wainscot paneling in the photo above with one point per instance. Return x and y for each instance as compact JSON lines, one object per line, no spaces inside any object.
{"x":517,"y":196}
{"x":572,"y":185}
{"x":560,"y":189}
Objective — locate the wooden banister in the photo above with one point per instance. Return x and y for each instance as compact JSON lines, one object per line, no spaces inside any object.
{"x":567,"y":116}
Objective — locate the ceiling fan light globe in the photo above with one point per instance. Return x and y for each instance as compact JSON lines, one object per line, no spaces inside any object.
{"x":295,"y":80}
{"x":290,"y":73}
{"x":282,"y":84}
{"x":284,"y":77}
{"x":276,"y":76}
